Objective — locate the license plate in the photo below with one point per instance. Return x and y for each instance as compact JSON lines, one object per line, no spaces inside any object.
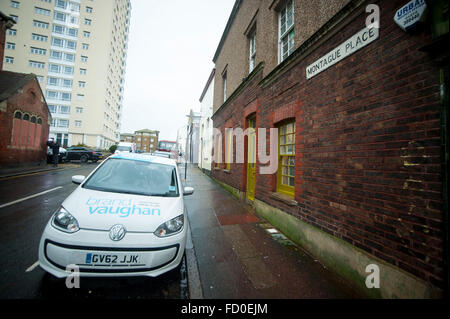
{"x":112,"y":259}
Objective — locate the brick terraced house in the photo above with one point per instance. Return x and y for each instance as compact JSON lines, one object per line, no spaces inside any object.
{"x":362,"y":117}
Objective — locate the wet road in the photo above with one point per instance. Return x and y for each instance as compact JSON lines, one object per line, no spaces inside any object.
{"x":21,"y":226}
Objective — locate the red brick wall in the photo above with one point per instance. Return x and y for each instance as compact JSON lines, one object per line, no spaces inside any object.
{"x":12,"y":155}
{"x":367,"y":145}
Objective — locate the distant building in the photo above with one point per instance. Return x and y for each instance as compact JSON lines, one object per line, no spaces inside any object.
{"x":127,"y":137}
{"x":206,"y":125}
{"x":193,"y":135}
{"x":146,"y":140}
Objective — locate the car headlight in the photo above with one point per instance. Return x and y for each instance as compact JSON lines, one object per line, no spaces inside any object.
{"x":170,"y":227}
{"x":64,"y":221}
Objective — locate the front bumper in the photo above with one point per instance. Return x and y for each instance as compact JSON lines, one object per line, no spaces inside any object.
{"x":57,"y":250}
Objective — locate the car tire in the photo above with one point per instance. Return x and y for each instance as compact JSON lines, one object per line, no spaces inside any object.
{"x":84,"y":158}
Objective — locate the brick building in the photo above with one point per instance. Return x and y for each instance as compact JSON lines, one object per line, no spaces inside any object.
{"x":360,"y":174}
{"x":146,"y":140}
{"x":24,"y":114}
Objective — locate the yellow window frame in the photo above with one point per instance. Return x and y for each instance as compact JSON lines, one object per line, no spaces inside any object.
{"x":228,"y":153}
{"x":286,"y":159}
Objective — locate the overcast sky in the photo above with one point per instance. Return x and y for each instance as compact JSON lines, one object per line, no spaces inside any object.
{"x":170,"y":50}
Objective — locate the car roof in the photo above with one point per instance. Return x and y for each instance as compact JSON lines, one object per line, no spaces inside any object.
{"x":145,"y":158}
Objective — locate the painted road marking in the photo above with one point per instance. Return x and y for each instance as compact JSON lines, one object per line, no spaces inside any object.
{"x":29,"y":197}
{"x":32,"y":267}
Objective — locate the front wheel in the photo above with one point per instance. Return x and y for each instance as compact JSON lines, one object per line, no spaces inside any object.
{"x":84,"y":158}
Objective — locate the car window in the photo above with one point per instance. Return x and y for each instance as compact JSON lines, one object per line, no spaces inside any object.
{"x":135,"y":177}
{"x":124,"y":148}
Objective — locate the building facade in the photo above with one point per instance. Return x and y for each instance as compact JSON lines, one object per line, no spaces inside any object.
{"x":206,"y":125}
{"x":193,"y":137}
{"x":361,"y":115}
{"x":78,"y":51}
{"x":146,"y":140}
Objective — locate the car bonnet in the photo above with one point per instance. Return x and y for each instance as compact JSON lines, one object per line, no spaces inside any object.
{"x":102,"y":210}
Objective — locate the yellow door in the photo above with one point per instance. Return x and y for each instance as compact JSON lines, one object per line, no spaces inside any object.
{"x":251,"y":159}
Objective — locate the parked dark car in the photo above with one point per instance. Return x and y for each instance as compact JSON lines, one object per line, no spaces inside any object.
{"x":83,"y":154}
{"x":62,"y":156}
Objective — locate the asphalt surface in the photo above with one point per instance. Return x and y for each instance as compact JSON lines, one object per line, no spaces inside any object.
{"x":21,"y":226}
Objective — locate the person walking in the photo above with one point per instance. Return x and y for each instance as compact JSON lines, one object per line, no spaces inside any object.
{"x":55,"y":149}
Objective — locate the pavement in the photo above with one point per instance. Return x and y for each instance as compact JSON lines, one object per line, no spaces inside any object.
{"x":234,"y":254}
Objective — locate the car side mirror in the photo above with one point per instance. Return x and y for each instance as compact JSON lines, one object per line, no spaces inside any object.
{"x":188,"y":191}
{"x":78,"y":179}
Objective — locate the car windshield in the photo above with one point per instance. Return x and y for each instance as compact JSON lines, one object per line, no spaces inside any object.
{"x":124,"y":148}
{"x":135,"y":177}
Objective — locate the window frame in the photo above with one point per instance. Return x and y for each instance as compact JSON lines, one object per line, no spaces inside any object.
{"x":283,"y":188}
{"x":286,"y":34}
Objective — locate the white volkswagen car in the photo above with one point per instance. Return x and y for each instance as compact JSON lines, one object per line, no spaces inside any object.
{"x":126,"y":218}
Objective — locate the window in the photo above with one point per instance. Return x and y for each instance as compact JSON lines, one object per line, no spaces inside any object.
{"x":68,"y":70}
{"x":57,"y":55}
{"x":84,"y":58}
{"x":10,"y":45}
{"x":59,"y":16}
{"x":66,"y":96}
{"x":15,"y":18}
{"x":52,"y":81}
{"x":54,"y":68}
{"x":52,"y":108}
{"x":252,"y":49}
{"x":88,"y":9}
{"x":39,"y":37}
{"x":83,"y":71}
{"x":9,"y":59}
{"x":228,"y":153}
{"x":85,"y":46}
{"x":64,"y":109}
{"x":52,"y":95}
{"x":218,"y":150}
{"x":69,"y":57}
{"x":60,"y":4}
{"x":72,"y":32}
{"x":81,"y":84}
{"x":42,"y":11}
{"x":58,"y":42}
{"x":58,"y":29}
{"x":36,"y":64}
{"x":87,"y":21}
{"x":63,"y":123}
{"x":12,"y":32}
{"x":86,"y":34}
{"x":286,"y":163}
{"x":77,"y":123}
{"x":286,"y":31}
{"x":80,"y":97}
{"x":15,"y":4}
{"x":73,"y":20}
{"x":40,"y":24}
{"x":79,"y":110}
{"x":74,"y":7}
{"x":40,"y":78}
{"x":38,"y":51}
{"x":224,"y":80}
{"x":67,"y":83}
{"x":71,"y":45}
